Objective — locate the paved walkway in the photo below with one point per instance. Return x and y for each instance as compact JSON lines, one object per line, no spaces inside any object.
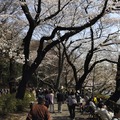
{"x":55,"y":116}
{"x":65,"y":114}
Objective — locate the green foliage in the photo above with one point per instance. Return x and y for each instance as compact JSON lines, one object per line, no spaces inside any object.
{"x":22,"y":104}
{"x":5,"y":73}
{"x":8,"y":103}
{"x":104,"y":97}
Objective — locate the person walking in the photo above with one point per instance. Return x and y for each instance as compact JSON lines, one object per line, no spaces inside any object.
{"x":39,"y":111}
{"x":60,"y":100}
{"x":51,"y":105}
{"x":47,"y":99}
{"x":72,"y":102}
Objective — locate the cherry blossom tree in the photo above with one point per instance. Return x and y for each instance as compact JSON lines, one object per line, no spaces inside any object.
{"x":10,"y":28}
{"x":46,"y":14}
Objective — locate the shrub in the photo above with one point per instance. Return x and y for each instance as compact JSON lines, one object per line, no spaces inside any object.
{"x":22,"y":104}
{"x":8,"y":103}
{"x":103,"y":97}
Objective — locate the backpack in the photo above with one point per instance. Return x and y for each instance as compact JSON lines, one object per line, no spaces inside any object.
{"x":73,"y":100}
{"x":47,"y":101}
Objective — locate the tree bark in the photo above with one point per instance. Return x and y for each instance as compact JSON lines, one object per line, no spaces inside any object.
{"x":12,"y":82}
{"x":116,"y":95}
{"x":23,"y":83}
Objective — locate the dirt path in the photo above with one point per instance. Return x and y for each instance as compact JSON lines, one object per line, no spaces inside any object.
{"x":65,"y":114}
{"x":55,"y":116}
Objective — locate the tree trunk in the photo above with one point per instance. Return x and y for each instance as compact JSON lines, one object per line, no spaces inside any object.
{"x":23,"y":83}
{"x":12,"y":84}
{"x":80,"y":82}
{"x":60,"y":66}
{"x":21,"y":89}
{"x":116,"y":94}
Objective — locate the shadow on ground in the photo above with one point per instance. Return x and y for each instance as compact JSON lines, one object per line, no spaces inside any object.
{"x":67,"y":118}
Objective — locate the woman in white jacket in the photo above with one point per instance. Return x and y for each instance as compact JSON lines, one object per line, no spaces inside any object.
{"x":104,"y":113}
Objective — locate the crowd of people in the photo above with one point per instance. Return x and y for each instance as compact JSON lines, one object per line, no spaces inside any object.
{"x":47,"y":98}
{"x":96,"y":106}
{"x":4,"y":91}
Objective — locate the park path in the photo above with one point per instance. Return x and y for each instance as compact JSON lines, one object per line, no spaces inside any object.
{"x":65,"y":114}
{"x":55,"y":116}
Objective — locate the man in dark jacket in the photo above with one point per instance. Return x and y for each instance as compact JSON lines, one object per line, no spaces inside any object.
{"x":60,"y":100}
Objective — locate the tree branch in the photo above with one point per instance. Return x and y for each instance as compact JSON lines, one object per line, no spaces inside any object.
{"x":26,"y":11}
{"x":74,"y":30}
{"x":38,"y":10}
{"x":99,"y":61}
{"x":58,"y":11}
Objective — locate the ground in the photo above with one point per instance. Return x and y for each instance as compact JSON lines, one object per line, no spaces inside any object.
{"x":55,"y":116}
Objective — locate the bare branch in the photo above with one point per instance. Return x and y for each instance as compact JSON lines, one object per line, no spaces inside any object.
{"x":58,"y":11}
{"x":90,"y":52}
{"x":38,"y":10}
{"x":26,"y":11}
{"x":74,"y":30}
{"x":59,"y":4}
{"x":99,"y":61}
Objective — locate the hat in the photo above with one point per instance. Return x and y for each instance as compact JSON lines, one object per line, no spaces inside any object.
{"x":78,"y":91}
{"x":41,"y":98}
